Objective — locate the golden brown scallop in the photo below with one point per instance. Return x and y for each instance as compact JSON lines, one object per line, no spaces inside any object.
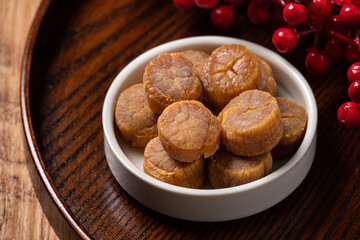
{"x":250,"y":123}
{"x":294,"y":120}
{"x":228,"y":170}
{"x":230,"y":70}
{"x":196,"y":57}
{"x":188,"y":130}
{"x":158,"y":164}
{"x":267,"y":81}
{"x":137,"y":124}
{"x":168,"y":78}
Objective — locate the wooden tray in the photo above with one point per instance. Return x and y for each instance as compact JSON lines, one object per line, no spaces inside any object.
{"x":74,"y":51}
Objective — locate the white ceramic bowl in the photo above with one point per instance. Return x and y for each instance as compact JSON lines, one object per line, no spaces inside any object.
{"x":126,"y":161}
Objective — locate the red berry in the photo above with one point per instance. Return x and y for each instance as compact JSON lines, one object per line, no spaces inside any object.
{"x":206,"y":4}
{"x":184,"y":4}
{"x":294,"y":13}
{"x":352,"y":54}
{"x":334,"y":24}
{"x":354,"y":91}
{"x":285,"y":39}
{"x":353,"y":72}
{"x":335,"y":48}
{"x":222,"y":17}
{"x":258,"y":13}
{"x":320,"y":8}
{"x":350,"y":15}
{"x":348,"y":114}
{"x":319,"y":11}
{"x":317,"y":61}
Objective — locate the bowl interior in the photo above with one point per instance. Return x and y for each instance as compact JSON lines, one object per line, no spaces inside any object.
{"x":290,"y":84}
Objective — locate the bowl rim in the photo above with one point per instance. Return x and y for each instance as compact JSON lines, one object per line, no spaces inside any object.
{"x":113,"y":92}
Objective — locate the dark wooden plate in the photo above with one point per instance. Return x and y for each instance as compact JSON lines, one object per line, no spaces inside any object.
{"x":74,"y":51}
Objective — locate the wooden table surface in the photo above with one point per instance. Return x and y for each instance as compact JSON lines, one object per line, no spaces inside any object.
{"x":90,"y":47}
{"x":22,"y":214}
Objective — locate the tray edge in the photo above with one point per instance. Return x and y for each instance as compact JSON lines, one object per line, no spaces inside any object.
{"x":28,"y":127}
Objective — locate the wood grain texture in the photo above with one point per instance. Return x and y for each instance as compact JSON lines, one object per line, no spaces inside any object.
{"x":80,"y":48}
{"x":26,"y":210}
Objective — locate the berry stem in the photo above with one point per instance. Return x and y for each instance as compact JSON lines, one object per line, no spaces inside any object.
{"x":343,"y":38}
{"x":310,"y":30}
{"x":357,"y":37}
{"x":316,"y":39}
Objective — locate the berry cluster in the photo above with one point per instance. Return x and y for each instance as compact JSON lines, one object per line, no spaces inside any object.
{"x":349,"y":113}
{"x":336,"y":20}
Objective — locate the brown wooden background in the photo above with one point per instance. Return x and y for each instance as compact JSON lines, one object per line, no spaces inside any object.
{"x":22,"y":201}
{"x":79,"y":49}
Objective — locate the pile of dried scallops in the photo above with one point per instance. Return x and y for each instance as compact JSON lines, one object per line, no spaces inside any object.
{"x":214,"y":116}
